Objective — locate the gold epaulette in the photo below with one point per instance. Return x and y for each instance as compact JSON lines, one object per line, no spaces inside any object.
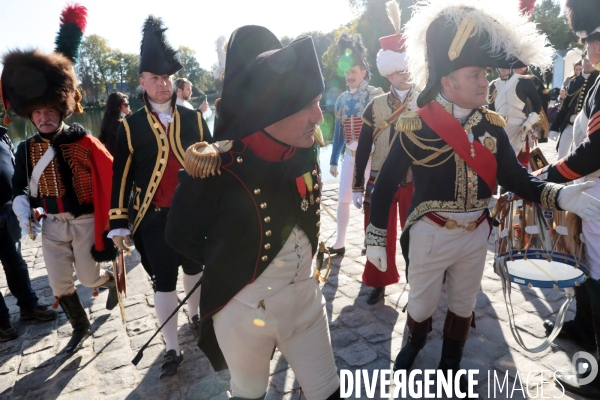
{"x":493,"y":117}
{"x":203,"y":159}
{"x":409,"y":121}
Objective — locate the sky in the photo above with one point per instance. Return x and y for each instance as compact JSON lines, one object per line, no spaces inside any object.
{"x":193,"y":23}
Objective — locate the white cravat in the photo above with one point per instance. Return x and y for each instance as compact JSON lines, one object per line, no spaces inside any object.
{"x":585,"y":76}
{"x":460,"y":113}
{"x":164,"y":111}
{"x":401,"y":94}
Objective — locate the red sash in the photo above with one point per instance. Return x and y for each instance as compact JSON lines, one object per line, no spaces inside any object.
{"x":451,"y":131}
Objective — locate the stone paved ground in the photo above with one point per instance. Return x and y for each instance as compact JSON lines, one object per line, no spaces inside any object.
{"x":364,"y":337}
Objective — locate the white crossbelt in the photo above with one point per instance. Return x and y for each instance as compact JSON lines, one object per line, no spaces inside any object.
{"x":37,"y":171}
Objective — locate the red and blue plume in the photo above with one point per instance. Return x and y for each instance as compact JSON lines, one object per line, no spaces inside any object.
{"x":526,"y":6}
{"x":73,"y":20}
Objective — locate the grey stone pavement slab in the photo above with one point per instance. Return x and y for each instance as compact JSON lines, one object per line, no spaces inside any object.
{"x":364,"y":337}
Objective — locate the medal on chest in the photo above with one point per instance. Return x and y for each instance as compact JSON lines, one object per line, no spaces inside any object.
{"x":304,"y":183}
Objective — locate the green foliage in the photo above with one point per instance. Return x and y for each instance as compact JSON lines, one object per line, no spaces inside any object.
{"x":200,"y":78}
{"x":547,"y":15}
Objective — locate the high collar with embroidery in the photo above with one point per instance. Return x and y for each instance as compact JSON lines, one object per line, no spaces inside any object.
{"x":457,"y":111}
{"x":267,"y":147}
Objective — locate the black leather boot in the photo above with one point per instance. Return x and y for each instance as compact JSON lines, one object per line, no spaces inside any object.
{"x":579,"y":330}
{"x":375,"y":295}
{"x":571,"y":382}
{"x":456,"y":333}
{"x":76,"y":315}
{"x":113,"y":299}
{"x":417,"y":336}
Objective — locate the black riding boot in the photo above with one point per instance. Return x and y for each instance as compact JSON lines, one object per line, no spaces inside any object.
{"x":113,"y":299}
{"x":76,"y":315}
{"x":571,"y":382}
{"x":456,"y":333}
{"x":417,"y":336}
{"x":579,"y":330}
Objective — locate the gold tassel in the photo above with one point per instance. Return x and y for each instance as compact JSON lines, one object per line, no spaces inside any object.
{"x":543,"y":127}
{"x":203,"y":159}
{"x":409,"y":121}
{"x":78,"y":97}
{"x":494,"y":118}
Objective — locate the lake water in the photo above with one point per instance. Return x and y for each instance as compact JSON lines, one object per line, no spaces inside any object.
{"x":92,"y":119}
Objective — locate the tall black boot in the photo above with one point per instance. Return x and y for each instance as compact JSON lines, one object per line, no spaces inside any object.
{"x":456,"y":333}
{"x":76,"y":315}
{"x":113,"y":299}
{"x":571,"y":382}
{"x":579,"y":330}
{"x":417,"y":336}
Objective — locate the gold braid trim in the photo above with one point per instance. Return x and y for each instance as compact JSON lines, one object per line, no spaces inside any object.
{"x":493,"y":117}
{"x":543,"y":126}
{"x":409,"y":121}
{"x":549,"y":198}
{"x":492,"y":98}
{"x":203,"y":159}
{"x":436,"y":152}
{"x":375,"y":236}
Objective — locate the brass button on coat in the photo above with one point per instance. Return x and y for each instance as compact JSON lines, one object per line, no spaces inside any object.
{"x":318,"y":200}
{"x":316,"y":186}
{"x":319,"y":223}
{"x":268,"y":233}
{"x":240,"y":160}
{"x":267,"y":219}
{"x":318,"y":212}
{"x":267,"y":246}
{"x":263,"y":205}
{"x":256,"y":191}
{"x":264,"y":258}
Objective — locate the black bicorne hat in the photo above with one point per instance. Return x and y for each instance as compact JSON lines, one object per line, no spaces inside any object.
{"x":446,"y":35}
{"x":583,"y":16}
{"x":156,"y":54}
{"x":265,"y":82}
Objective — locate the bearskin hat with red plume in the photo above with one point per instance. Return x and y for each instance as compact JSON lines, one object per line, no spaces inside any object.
{"x":32,"y":78}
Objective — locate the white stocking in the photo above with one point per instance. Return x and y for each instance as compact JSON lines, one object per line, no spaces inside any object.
{"x":193,"y":302}
{"x":343,"y":218}
{"x":165,"y":303}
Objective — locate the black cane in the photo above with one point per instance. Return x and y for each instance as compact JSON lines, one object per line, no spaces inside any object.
{"x":140,"y":353}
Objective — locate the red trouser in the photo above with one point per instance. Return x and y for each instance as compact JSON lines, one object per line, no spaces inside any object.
{"x":372,"y":276}
{"x":523,"y":156}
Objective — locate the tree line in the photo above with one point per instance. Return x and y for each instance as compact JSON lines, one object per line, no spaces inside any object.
{"x":102,"y":69}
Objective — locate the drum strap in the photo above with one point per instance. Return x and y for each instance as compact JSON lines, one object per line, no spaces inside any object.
{"x":502,"y":270}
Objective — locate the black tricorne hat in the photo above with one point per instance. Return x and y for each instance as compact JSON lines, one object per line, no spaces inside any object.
{"x":156,"y":54}
{"x":583,"y":16}
{"x":446,"y":35}
{"x":265,"y":82}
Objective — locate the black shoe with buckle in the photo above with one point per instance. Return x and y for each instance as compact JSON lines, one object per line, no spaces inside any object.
{"x":41,"y":313}
{"x":336,"y":252}
{"x":170,"y":364}
{"x":375,"y":295}
{"x":7,"y":331}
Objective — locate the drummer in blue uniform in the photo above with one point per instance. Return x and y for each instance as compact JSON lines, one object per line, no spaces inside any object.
{"x":457,"y":151}
{"x":583,"y":163}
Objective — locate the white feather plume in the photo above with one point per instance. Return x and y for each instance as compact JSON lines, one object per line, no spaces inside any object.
{"x":394,"y":13}
{"x":221,"y":55}
{"x":510,"y":33}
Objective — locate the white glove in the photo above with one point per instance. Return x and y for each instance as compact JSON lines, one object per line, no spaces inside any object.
{"x":572,"y":198}
{"x":357,"y":199}
{"x":526,"y":127}
{"x":333,"y":170}
{"x":553,"y":135}
{"x":122,"y":242}
{"x":377,"y":256}
{"x":22,"y":210}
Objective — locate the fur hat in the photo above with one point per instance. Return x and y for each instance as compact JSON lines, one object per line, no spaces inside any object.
{"x":446,"y":35}
{"x":156,"y":54}
{"x":352,"y":53}
{"x":583,"y":16}
{"x":32,"y":78}
{"x":392,"y":56}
